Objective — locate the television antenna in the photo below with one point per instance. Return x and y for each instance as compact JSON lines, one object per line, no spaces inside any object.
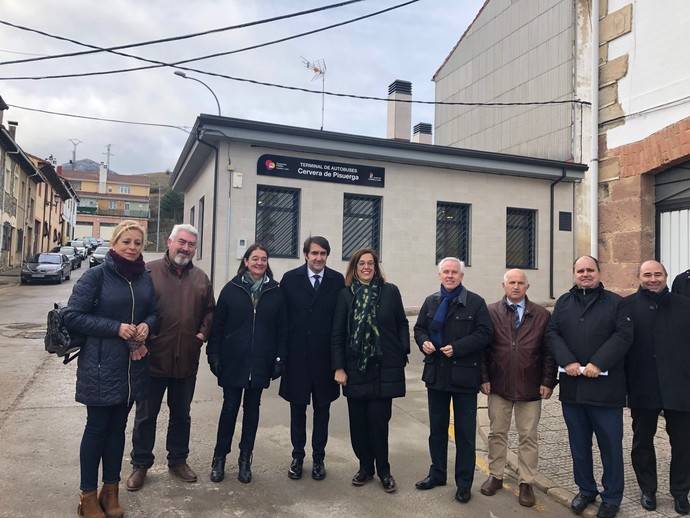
{"x":319,"y":69}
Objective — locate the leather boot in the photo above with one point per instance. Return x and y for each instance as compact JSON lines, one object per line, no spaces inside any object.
{"x":108,"y":498}
{"x":89,"y":506}
{"x":245,"y":467}
{"x":218,"y":469}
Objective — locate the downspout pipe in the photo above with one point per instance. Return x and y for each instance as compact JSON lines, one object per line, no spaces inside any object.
{"x":594,"y":165}
{"x":199,"y":138}
{"x":552,"y":228}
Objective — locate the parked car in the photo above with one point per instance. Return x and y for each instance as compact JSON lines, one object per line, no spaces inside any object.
{"x":91,"y":243}
{"x":98,"y":256}
{"x":46,"y":267}
{"x":81,"y":247}
{"x":72,"y":254}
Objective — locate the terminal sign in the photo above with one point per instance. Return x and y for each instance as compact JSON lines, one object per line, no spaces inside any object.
{"x":319,"y":170}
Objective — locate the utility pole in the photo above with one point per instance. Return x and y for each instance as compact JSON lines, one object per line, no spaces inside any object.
{"x":158,"y":222}
{"x":75,"y":142}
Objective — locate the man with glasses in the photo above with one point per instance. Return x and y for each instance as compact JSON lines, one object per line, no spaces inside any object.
{"x":185,"y":303}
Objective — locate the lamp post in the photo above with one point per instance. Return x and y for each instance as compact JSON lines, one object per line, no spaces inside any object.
{"x":185,"y":76}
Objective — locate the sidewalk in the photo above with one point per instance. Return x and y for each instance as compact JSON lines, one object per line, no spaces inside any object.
{"x":555,"y":463}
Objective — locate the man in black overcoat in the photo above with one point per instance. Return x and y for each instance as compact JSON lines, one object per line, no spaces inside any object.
{"x":681,"y":284}
{"x":311,"y":292}
{"x":589,"y":335}
{"x":658,"y":374}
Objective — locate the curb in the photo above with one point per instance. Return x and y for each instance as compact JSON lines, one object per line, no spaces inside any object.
{"x":547,"y":486}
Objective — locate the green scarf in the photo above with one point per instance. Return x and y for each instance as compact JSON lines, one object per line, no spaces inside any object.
{"x":254,"y":286}
{"x":364,"y":331}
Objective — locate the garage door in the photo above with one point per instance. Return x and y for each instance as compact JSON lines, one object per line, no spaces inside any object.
{"x":673,"y":218}
{"x":107,"y":230}
{"x":83,"y":230}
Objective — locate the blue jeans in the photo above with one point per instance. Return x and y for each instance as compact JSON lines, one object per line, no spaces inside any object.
{"x":103,"y":442}
{"x":607,"y":424}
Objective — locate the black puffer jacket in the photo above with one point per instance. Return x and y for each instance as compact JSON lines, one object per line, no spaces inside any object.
{"x":101,"y":300}
{"x":591,"y":326}
{"x":658,"y":363}
{"x":247,"y":341}
{"x":468,"y":329}
{"x":385,"y":377}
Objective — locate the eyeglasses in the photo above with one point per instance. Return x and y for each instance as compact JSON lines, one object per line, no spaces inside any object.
{"x":362,"y":264}
{"x":182,"y":243}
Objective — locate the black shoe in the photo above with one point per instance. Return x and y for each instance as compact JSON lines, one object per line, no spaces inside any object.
{"x":361,"y":477}
{"x":295,"y":471}
{"x":244,"y":463}
{"x":217,"y":469}
{"x":318,"y":470}
{"x":429,"y":483}
{"x":463,"y":495}
{"x":607,"y":510}
{"x":681,"y":505}
{"x":388,"y":483}
{"x":648,"y":500}
{"x":581,"y":501}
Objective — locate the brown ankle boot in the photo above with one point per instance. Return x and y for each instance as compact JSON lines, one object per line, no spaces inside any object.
{"x":109,"y":501}
{"x":89,"y":506}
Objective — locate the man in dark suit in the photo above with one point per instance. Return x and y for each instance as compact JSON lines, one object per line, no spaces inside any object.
{"x":311,"y":292}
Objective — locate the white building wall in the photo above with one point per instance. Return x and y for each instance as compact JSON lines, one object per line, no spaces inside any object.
{"x":408,"y":233}
{"x":202,"y":187}
{"x":658,"y":68}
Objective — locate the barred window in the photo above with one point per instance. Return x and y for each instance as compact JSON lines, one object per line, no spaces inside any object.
{"x":200,"y":239}
{"x":277,"y":220}
{"x":521,"y":240}
{"x":453,"y":231}
{"x":191,"y":216}
{"x":361,"y":223}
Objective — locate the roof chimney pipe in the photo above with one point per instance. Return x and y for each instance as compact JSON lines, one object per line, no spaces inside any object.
{"x":12,"y":127}
{"x":422,"y":133}
{"x":399,"y":110}
{"x":3,"y":107}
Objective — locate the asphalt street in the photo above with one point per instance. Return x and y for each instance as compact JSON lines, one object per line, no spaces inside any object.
{"x":41,"y":427}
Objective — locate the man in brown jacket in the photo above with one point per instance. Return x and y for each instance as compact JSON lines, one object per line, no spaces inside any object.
{"x":185,"y":303}
{"x":518,"y":372}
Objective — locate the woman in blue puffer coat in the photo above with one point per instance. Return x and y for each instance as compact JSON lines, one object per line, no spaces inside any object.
{"x":113,"y":305}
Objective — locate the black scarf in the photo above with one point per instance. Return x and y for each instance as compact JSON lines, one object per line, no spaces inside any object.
{"x":364,"y":330}
{"x":130,"y":270}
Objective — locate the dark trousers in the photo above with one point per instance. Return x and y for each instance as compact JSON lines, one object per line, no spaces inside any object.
{"x":103,"y":443}
{"x":232,"y":397}
{"x":644,"y":422}
{"x":319,"y":434}
{"x":607,"y":424}
{"x":180,"y":394}
{"x":465,"y":427}
{"x":369,"y":433}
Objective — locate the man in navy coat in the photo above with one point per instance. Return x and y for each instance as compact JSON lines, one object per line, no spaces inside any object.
{"x":311,"y":292}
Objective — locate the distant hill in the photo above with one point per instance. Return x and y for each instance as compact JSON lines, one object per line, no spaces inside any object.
{"x":85,"y":164}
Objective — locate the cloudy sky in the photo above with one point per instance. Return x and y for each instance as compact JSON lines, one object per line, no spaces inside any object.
{"x":361,"y":58}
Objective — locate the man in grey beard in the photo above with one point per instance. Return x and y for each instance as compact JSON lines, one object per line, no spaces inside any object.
{"x":185,"y":303}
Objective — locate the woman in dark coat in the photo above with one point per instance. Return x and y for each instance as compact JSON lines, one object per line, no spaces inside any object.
{"x":370,"y":345}
{"x":246,"y":350}
{"x":113,"y":305}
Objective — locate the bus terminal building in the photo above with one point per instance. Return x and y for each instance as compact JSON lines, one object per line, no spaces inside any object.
{"x":415,"y":203}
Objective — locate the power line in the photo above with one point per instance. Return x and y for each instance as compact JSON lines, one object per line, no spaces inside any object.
{"x":8,"y":51}
{"x":102,"y":119}
{"x":96,"y":49}
{"x":159,"y":64}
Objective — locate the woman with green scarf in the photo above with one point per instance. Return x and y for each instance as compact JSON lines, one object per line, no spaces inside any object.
{"x":370,"y":344}
{"x":246,"y":350}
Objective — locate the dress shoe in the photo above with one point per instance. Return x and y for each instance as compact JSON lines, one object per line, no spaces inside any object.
{"x":681,"y":505}
{"x":463,"y":495}
{"x":648,"y":500}
{"x":361,"y":477}
{"x":318,"y":470}
{"x":491,"y":485}
{"x":526,"y":496}
{"x":429,"y":483}
{"x":607,"y":510}
{"x":217,"y":469}
{"x":183,"y":472}
{"x":295,"y":471}
{"x":244,"y":463}
{"x":581,"y":501}
{"x":135,"y":481}
{"x":388,"y":483}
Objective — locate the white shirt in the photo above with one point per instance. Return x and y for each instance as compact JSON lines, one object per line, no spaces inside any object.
{"x":311,"y":274}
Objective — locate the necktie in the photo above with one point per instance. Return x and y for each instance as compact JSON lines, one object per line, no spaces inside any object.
{"x":514,"y":307}
{"x":317,"y":281}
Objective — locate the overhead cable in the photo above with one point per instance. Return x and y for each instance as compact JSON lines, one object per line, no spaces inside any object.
{"x":95,"y":49}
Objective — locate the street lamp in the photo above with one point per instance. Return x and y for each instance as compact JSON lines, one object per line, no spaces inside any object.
{"x":185,"y":76}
